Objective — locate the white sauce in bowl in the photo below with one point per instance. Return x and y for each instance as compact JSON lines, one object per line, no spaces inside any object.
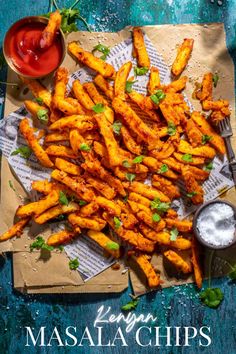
{"x":216,"y":224}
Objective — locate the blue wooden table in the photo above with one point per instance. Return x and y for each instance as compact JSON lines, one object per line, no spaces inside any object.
{"x":178,"y":306}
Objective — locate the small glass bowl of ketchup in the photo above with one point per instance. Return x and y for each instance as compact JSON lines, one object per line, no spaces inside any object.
{"x":22,"y":50}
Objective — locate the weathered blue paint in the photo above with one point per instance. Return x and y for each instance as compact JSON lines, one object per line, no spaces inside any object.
{"x":174,"y":307}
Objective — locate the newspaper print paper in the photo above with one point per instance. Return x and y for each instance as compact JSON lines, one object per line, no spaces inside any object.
{"x":90,"y":255}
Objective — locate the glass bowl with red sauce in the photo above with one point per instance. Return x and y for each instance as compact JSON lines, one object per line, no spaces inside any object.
{"x":22,"y":50}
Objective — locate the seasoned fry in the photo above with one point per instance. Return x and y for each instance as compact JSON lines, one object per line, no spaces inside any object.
{"x":146,"y":191}
{"x":55,"y":212}
{"x":28,"y":134}
{"x":129,"y":141}
{"x":193,"y":133}
{"x":121,"y":78}
{"x":110,"y":206}
{"x":152,"y":278}
{"x":91,"y":223}
{"x":178,"y":261}
{"x":203,"y":151}
{"x":192,"y":187}
{"x":154,"y":80}
{"x":80,"y":122}
{"x":196,"y":264}
{"x":139,"y":48}
{"x":61,"y":150}
{"x":38,"y":90}
{"x":89,"y":209}
{"x":94,"y":63}
{"x":94,"y":94}
{"x":101,"y":187}
{"x":216,"y":140}
{"x":155,"y":165}
{"x":39,"y":207}
{"x":60,"y":238}
{"x":33,"y":108}
{"x":180,"y":225}
{"x":67,"y":166}
{"x":207,"y":87}
{"x":49,"y":32}
{"x":177,"y":85}
{"x":182,"y":58}
{"x":82,"y":95}
{"x":15,"y":230}
{"x":135,"y":197}
{"x":104,"y":86}
{"x":169,"y":113}
{"x":166,"y":151}
{"x":193,"y":161}
{"x":44,"y":186}
{"x":54,"y":137}
{"x":141,"y":101}
{"x":127,"y":217}
{"x":105,"y":242}
{"x":166,"y":186}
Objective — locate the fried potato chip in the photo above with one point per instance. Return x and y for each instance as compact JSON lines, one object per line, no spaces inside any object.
{"x":129,"y":141}
{"x":56,"y":211}
{"x":57,"y":136}
{"x":67,"y":166}
{"x":38,"y":90}
{"x":49,"y":33}
{"x":104,"y":86}
{"x":88,"y":223}
{"x":196,"y":264}
{"x":194,"y":190}
{"x":60,"y":238}
{"x":82,"y":95}
{"x":121,"y":78}
{"x":154,"y":81}
{"x":178,"y":261}
{"x":182,"y":58}
{"x":15,"y":230}
{"x":80,"y":122}
{"x":61,"y":151}
{"x":166,"y":186}
{"x":105,"y":242}
{"x":152,"y":277}
{"x":202,"y":151}
{"x":146,"y":191}
{"x":180,"y":225}
{"x":140,"y":48}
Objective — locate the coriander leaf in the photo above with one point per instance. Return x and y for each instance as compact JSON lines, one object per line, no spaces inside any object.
{"x":208,"y":167}
{"x":191,"y":194}
{"x":129,"y":85}
{"x":63,"y":198}
{"x":173,"y":234}
{"x":162,"y":207}
{"x":117,"y":222}
{"x":131,"y":305}
{"x":69,"y":19}
{"x":60,"y":247}
{"x":140,"y":71}
{"x":23,"y":151}
{"x":163,"y":169}
{"x":113,"y":246}
{"x":82,"y":202}
{"x":85,"y":147}
{"x":11,"y":185}
{"x":215,"y":79}
{"x":40,"y":244}
{"x":73,"y":264}
{"x":232,"y":273}
{"x":98,"y":108}
{"x":206,"y":138}
{"x":171,"y":129}
{"x":138,"y":159}
{"x":42,"y":115}
{"x":126,"y":164}
{"x":156,"y":217}
{"x":158,"y":96}
{"x":103,"y":49}
{"x":39,"y":100}
{"x":116,"y":126}
{"x":187,"y":158}
{"x":130,"y":176}
{"x":125,"y":198}
{"x":212,"y":297}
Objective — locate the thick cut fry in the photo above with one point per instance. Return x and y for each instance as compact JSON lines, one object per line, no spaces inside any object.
{"x":182,"y":58}
{"x":61,"y":150}
{"x":56,"y":211}
{"x":76,"y":140}
{"x":147,"y":219}
{"x":94,"y":94}
{"x":155,"y":165}
{"x":129,"y":141}
{"x":110,"y":141}
{"x":49,"y":33}
{"x":55,"y":114}
{"x":193,"y":133}
{"x":95,"y":168}
{"x":80,"y":122}
{"x":105,"y":242}
{"x":121,"y":78}
{"x":91,"y":223}
{"x":177,"y":85}
{"x":101,"y":187}
{"x":146,"y":191}
{"x":28,"y":134}
{"x":110,"y":206}
{"x":89,"y":209}
{"x":33,"y":108}
{"x":199,"y":174}
{"x":135,"y":197}
{"x":135,"y":239}
{"x":180,"y":225}
{"x":203,"y":151}
{"x":166,"y":186}
{"x":169,"y":113}
{"x":147,"y":268}
{"x":207,"y":87}
{"x":78,"y":187}
{"x":15,"y":230}
{"x":196,"y":264}
{"x":166,"y":151}
{"x":141,"y":101}
{"x":154,"y":80}
{"x":192,"y":187}
{"x":192,"y":161}
{"x":90,"y":60}
{"x":82,"y":95}
{"x":60,"y":238}
{"x":216,"y":140}
{"x":78,"y":109}
{"x":208,"y":105}
{"x":139,"y":48}
{"x":44,"y":186}
{"x":163,"y":238}
{"x":104,"y":86}
{"x":178,"y":261}
{"x":67,"y":166}
{"x":38,"y":90}
{"x":53,"y":137}
{"x":135,"y":123}
{"x":39,"y":207}
{"x":127,"y":217}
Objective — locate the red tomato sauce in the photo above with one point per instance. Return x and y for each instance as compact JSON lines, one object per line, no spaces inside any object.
{"x":26,"y":54}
